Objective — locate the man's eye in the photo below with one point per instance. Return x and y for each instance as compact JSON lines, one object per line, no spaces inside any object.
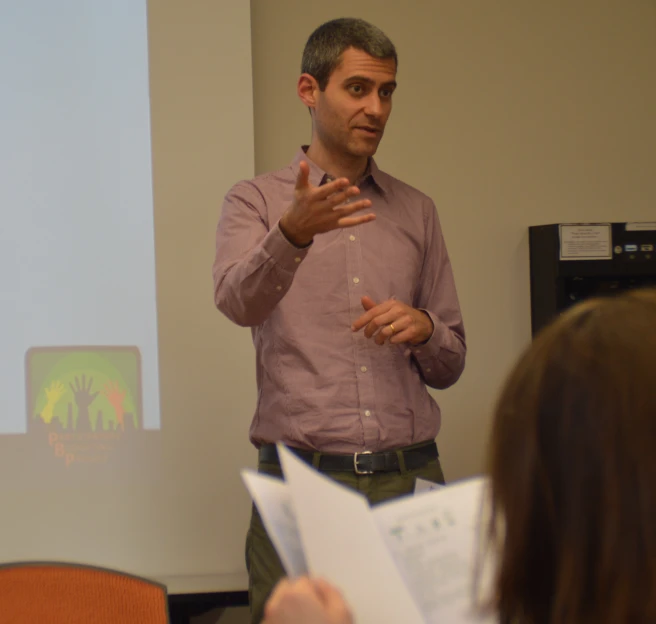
{"x":357,"y":89}
{"x":386,"y":93}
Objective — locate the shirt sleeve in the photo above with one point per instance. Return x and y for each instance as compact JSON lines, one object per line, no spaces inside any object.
{"x":441,"y":359}
{"x":254,"y":264}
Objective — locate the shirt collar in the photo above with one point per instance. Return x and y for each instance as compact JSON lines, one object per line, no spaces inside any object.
{"x":318,"y":176}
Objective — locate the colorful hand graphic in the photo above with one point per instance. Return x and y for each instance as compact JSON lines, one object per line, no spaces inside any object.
{"x":53,"y":394}
{"x":116,"y":397}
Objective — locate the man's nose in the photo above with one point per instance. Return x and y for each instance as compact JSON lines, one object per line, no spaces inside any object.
{"x":373,"y":106}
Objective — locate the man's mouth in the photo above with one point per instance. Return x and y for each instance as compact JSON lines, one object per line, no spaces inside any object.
{"x":370,"y":130}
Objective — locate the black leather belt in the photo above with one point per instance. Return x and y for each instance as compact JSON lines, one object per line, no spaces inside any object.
{"x":360,"y":463}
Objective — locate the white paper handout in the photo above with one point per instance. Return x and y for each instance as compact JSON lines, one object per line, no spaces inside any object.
{"x":433,"y":539}
{"x":422,"y":485}
{"x":273,"y":501}
{"x":409,"y":560}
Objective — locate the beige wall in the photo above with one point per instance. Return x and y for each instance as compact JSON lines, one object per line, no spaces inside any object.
{"x":202,"y":138}
{"x":509,"y":114}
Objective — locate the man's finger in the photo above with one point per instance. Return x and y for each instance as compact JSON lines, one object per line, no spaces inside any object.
{"x":368,"y":303}
{"x":303,"y":177}
{"x":344,"y":210}
{"x":341,"y":197}
{"x":372,"y":327}
{"x":371,"y":314}
{"x":330,"y":188}
{"x":390,"y":328}
{"x":383,"y":336}
{"x":382,"y":323}
{"x":391,"y":322}
{"x":347,"y":222}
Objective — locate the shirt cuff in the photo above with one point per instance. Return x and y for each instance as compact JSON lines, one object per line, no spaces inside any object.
{"x":286,"y":255}
{"x":426,"y":351}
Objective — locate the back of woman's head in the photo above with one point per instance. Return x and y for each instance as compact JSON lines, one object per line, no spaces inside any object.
{"x":573,"y":470}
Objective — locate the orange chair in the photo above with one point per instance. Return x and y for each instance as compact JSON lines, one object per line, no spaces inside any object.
{"x":63,"y":593}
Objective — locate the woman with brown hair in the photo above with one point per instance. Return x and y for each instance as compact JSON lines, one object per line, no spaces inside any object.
{"x":572,"y":466}
{"x":573,"y":470}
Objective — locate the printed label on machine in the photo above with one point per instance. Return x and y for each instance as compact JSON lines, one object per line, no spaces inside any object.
{"x":641,"y":226}
{"x":580,"y":241}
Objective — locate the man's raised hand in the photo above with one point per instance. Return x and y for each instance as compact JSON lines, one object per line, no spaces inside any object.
{"x":318,"y":209}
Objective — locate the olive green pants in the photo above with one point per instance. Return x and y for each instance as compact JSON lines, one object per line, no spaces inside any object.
{"x":262,"y":561}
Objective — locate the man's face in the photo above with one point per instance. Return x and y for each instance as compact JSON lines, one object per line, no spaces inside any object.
{"x":350,"y":115}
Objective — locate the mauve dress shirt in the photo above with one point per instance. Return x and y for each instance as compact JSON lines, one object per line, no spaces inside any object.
{"x":321,"y":386}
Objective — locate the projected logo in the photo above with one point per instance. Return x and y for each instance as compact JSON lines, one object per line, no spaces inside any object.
{"x":85,"y":402}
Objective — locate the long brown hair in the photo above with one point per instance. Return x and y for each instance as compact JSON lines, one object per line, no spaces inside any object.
{"x":573,"y":470}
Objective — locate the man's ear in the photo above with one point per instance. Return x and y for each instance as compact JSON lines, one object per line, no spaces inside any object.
{"x":307,"y":89}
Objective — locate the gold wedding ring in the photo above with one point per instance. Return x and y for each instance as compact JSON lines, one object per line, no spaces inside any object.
{"x":391,"y":326}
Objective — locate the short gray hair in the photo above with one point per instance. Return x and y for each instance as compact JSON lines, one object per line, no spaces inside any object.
{"x":325,"y":46}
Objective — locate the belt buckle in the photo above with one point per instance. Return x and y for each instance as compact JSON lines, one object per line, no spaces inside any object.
{"x":355,"y":464}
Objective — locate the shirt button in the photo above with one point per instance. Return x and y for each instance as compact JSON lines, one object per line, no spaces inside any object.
{"x":297,"y":259}
{"x":363,"y":369}
{"x":351,"y":238}
{"x":367,"y":413}
{"x":278,"y":288}
{"x":428,"y":370}
{"x":356,"y":280}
